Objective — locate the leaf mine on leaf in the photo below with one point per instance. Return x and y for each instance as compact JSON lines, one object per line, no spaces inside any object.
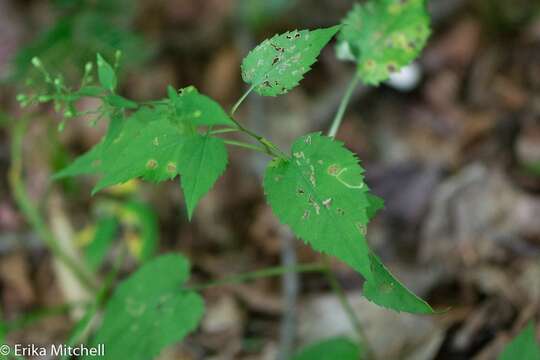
{"x":278,"y":64}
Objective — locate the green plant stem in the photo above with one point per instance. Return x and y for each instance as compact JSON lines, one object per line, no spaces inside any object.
{"x":246,"y":146}
{"x":40,"y":314}
{"x":264,"y":273}
{"x":347,"y":307}
{"x":32,"y":214}
{"x":241,"y":100}
{"x":343,"y":106}
{"x":83,"y":326}
{"x":270,"y":148}
{"x":223,"y":131}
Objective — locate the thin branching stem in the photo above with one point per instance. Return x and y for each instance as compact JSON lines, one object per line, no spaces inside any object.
{"x":32,"y":214}
{"x":241,"y":100}
{"x":343,"y":106}
{"x":264,"y":273}
{"x":347,"y":307}
{"x":247,"y":146}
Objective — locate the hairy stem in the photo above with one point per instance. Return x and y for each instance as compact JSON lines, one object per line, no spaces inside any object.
{"x":264,"y":273}
{"x":336,"y":123}
{"x":32,"y":214}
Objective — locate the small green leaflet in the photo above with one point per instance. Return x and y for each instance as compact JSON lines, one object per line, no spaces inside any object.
{"x":278,"y":64}
{"x":320,"y":193}
{"x":339,"y":348}
{"x":385,"y":35}
{"x":201,"y":162}
{"x":524,"y":346}
{"x":197,"y":109}
{"x":106,"y":74}
{"x":385,"y":290}
{"x":149,"y":311}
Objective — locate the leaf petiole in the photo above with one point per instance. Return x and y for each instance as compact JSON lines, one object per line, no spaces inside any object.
{"x":247,"y":146}
{"x":259,"y":274}
{"x":223,"y":131}
{"x":336,"y":123}
{"x":241,"y":100}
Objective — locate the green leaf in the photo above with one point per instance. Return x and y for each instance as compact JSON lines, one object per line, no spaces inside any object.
{"x":320,"y":193}
{"x":375,"y":204}
{"x":337,"y":348}
{"x":91,"y":161}
{"x":106,"y":74}
{"x":88,"y":163}
{"x":149,"y":311}
{"x":90,"y":91}
{"x":385,"y":290}
{"x":523,"y":346}
{"x":201,"y":162}
{"x":106,"y":231}
{"x":385,"y":35}
{"x":147,"y":146}
{"x":278,"y":64}
{"x":197,"y":109}
{"x":121,"y":102}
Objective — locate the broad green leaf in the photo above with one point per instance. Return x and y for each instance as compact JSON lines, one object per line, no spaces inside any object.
{"x":278,"y":64}
{"x":201,"y":162}
{"x":147,"y":146}
{"x":197,"y":109}
{"x":524,"y":346}
{"x":149,"y":311}
{"x":385,"y":35}
{"x":106,"y":231}
{"x":385,"y":290}
{"x":337,"y":348}
{"x":106,"y":74}
{"x":320,"y":193}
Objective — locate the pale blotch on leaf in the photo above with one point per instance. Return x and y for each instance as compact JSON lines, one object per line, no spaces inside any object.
{"x":171,"y":167}
{"x":334,"y":169}
{"x":151,"y":164}
{"x":135,"y":308}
